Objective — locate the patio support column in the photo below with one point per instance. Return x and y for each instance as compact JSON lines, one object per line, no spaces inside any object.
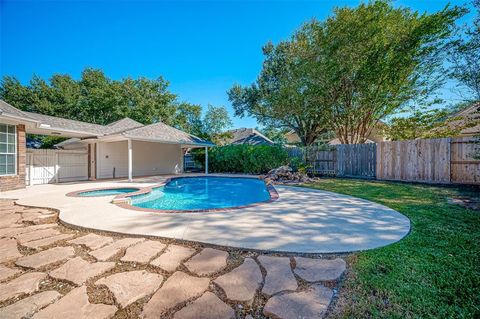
{"x":130,"y":158}
{"x":206,"y":160}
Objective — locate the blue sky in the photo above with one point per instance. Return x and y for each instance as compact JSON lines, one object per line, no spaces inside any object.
{"x":202,"y":48}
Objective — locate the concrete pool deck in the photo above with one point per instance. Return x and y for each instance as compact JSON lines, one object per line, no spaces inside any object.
{"x":301,"y":220}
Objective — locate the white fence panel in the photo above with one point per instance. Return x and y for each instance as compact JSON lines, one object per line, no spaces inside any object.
{"x":51,"y":166}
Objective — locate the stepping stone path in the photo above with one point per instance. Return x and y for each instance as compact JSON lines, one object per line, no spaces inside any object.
{"x":46,"y":257}
{"x":312,"y":270}
{"x":150,"y":278}
{"x":75,"y":305}
{"x":28,"y":306}
{"x":312,"y":303}
{"x":6,"y":272}
{"x":179,"y":288}
{"x":111,"y":250}
{"x":207,"y":262}
{"x":143,"y":252}
{"x":172,"y":257}
{"x":92,"y":241}
{"x":241,"y":283}
{"x":78,"y":270}
{"x":207,"y":306}
{"x":24,"y":284}
{"x":279,"y":275}
{"x":128,"y":287}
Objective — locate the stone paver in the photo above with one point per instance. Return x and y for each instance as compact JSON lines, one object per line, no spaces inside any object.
{"x":279,"y":274}
{"x":37,"y":217}
{"x":207,"y":306}
{"x":75,"y":305}
{"x":46,"y":257}
{"x":207,"y":262}
{"x":6,"y":272}
{"x":128,"y":287}
{"x":78,"y":270}
{"x":25,"y":308}
{"x":172,"y":257}
{"x":14,"y":230}
{"x":35,"y":235}
{"x":143,"y":252}
{"x":241,"y":283}
{"x":24,"y":284}
{"x":312,"y":270}
{"x":8,"y":219}
{"x":177,"y":289}
{"x":310,"y":304}
{"x":109,"y":251}
{"x":8,"y":250}
{"x":92,"y":241}
{"x":47,"y":241}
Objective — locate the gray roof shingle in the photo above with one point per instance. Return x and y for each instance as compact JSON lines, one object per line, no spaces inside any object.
{"x":248,"y":136}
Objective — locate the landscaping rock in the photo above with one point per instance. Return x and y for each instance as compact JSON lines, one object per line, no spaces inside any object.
{"x":207,"y":262}
{"x":8,"y":250}
{"x":78,"y":270}
{"x":92,"y":241}
{"x":143,"y":252}
{"x":279,"y":274}
{"x":310,"y":304}
{"x":286,"y":175}
{"x":312,"y":270}
{"x":47,"y":241}
{"x":6,"y":272}
{"x":241,"y":283}
{"x":179,"y":288}
{"x":128,"y":287}
{"x":75,"y":305}
{"x":109,"y":251}
{"x":25,"y":308}
{"x":46,"y":257}
{"x":207,"y":306}
{"x":172,"y":257}
{"x":25,"y":284}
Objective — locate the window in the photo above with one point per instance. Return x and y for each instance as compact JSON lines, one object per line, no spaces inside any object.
{"x":8,"y":149}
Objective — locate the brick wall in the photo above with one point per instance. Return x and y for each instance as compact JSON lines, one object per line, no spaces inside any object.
{"x":17,"y":181}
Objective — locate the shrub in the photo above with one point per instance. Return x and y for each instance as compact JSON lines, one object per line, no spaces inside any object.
{"x":249,"y":159}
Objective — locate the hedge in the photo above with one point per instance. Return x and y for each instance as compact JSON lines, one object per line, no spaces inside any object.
{"x":249,"y":159}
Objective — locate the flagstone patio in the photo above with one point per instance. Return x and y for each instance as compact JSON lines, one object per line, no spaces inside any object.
{"x":70,"y":273}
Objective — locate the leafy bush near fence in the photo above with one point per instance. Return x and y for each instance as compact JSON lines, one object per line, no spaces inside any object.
{"x":250,"y":159}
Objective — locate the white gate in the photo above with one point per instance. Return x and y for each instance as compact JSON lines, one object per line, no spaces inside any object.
{"x":53,"y":166}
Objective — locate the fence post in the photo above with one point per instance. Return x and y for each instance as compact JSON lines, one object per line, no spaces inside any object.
{"x":56,"y":167}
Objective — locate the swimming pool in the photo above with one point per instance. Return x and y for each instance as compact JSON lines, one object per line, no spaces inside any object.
{"x":204,"y":193}
{"x":107,"y":192}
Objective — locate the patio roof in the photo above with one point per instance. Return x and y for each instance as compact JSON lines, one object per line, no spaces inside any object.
{"x":126,"y":127}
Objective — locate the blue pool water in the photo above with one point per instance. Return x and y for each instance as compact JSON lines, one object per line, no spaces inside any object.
{"x":196,"y":193}
{"x":108,"y":192}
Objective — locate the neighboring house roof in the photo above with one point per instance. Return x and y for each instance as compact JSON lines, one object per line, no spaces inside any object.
{"x":248,"y":136}
{"x":157,"y":132}
{"x":469,"y":119}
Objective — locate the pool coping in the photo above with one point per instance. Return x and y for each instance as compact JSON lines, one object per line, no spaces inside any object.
{"x":124,"y":200}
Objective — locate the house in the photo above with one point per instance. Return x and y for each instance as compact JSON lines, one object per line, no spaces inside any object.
{"x":467,"y":121}
{"x":125,"y":148}
{"x":329,"y":138}
{"x":246,"y":136}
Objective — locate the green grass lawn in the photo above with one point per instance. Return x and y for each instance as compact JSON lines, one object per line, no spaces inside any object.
{"x":434,"y":272}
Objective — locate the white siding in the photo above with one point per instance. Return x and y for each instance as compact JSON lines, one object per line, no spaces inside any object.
{"x":148,"y":159}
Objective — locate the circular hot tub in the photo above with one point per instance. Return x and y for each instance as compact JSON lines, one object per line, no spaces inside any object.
{"x":107,"y":192}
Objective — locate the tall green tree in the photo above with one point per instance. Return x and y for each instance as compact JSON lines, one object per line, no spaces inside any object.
{"x":350,"y":71}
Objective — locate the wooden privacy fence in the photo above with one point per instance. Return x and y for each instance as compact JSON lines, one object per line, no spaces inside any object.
{"x":441,"y":161}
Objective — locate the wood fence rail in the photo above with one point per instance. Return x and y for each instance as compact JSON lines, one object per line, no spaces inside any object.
{"x":438,"y":161}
